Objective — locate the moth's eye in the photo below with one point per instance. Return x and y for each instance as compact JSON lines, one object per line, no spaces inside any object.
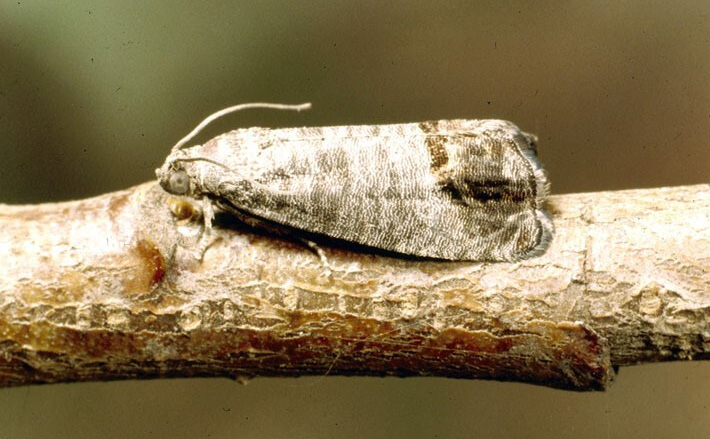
{"x":179,"y":182}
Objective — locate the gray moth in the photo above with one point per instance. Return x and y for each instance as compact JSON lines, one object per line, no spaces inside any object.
{"x":468,"y":190}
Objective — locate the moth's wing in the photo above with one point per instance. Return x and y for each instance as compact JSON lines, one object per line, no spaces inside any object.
{"x":457,"y":190}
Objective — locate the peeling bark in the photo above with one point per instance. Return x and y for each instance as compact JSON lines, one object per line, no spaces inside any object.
{"x":110,"y":288}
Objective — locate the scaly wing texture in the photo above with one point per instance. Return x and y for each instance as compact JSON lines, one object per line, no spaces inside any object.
{"x":458,"y":189}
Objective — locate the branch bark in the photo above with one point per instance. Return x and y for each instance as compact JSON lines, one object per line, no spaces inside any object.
{"x":109,"y":288}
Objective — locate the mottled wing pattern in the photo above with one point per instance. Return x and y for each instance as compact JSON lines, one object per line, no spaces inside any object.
{"x":456,"y":189}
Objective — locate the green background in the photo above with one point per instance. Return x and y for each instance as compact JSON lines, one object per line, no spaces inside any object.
{"x":94,"y":93}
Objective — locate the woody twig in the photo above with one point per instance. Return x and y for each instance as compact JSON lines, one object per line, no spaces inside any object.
{"x":107,"y":288}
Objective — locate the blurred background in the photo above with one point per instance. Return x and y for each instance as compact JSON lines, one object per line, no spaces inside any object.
{"x":93,"y":94}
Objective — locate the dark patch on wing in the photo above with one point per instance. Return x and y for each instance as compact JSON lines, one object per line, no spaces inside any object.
{"x":488,"y":191}
{"x":276,"y":177}
{"x":438,"y":157}
{"x":429,"y":126}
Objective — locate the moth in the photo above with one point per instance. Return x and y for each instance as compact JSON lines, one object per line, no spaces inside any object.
{"x":464,"y":190}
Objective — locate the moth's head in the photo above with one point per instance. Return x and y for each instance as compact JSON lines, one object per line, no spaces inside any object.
{"x":173,"y":175}
{"x":174,"y":178}
{"x":184,"y":173}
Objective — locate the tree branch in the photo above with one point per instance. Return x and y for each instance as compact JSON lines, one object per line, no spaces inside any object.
{"x":109,"y":288}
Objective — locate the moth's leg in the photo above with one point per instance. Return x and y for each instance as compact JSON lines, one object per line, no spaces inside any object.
{"x":207,"y":238}
{"x":208,"y":214}
{"x":277,"y":232}
{"x":321,"y":254}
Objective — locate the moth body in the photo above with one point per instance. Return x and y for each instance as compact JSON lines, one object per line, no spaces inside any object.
{"x":451,"y":189}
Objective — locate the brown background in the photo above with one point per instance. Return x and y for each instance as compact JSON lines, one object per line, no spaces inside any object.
{"x":93,"y":95}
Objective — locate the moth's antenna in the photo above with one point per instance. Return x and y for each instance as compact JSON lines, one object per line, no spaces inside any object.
{"x":234,"y":108}
{"x":202,"y":159}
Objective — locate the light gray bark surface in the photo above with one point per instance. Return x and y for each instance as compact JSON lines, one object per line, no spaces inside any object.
{"x":109,"y":288}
